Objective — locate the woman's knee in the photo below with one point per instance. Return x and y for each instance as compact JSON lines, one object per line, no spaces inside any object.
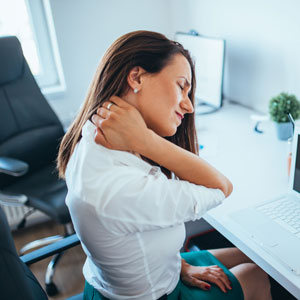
{"x":254,"y":281}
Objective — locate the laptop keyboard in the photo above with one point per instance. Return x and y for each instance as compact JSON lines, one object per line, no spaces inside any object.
{"x":285,"y":212}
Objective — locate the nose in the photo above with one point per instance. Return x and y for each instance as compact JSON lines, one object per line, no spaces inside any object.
{"x":187,"y":105}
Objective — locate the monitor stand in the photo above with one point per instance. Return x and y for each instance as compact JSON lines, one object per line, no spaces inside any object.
{"x":204,"y":109}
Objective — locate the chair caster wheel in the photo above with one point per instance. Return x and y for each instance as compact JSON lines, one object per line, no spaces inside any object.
{"x":51,"y":289}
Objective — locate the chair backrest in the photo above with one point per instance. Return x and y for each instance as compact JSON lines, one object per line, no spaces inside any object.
{"x":16,"y":280}
{"x":29,"y":128}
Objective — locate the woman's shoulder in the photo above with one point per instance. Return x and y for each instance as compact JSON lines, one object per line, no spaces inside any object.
{"x":90,"y":158}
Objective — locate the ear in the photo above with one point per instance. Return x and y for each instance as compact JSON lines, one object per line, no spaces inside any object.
{"x":134,"y":78}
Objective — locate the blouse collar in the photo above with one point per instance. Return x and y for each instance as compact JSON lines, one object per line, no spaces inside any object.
{"x":119,"y":157}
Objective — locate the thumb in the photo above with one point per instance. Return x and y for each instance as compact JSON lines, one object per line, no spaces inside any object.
{"x":100,"y":139}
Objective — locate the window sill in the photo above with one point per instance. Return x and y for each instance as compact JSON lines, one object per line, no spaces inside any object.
{"x":54,"y":92}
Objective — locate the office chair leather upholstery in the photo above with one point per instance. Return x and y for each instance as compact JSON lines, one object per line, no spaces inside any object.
{"x":30,"y":132}
{"x":45,"y":193}
{"x":17,"y":282}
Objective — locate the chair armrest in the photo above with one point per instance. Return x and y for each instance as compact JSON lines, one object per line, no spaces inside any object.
{"x":57,"y":247}
{"x":13,"y":199}
{"x":12,"y":166}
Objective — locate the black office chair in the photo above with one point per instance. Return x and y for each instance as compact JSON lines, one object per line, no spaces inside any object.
{"x":30,"y":133}
{"x":17,"y":282}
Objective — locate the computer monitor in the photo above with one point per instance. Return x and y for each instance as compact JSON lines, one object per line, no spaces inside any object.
{"x":208,"y":54}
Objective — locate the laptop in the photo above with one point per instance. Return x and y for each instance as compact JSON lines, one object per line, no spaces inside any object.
{"x":275,"y":224}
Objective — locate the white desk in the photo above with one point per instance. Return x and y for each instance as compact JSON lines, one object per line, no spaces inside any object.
{"x":257,"y":166}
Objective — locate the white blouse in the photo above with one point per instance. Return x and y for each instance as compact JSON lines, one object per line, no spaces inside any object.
{"x":130,"y":219}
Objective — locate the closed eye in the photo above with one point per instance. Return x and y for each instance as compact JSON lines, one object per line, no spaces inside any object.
{"x":181,"y":87}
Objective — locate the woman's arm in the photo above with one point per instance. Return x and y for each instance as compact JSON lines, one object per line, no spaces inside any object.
{"x":186,"y":165}
{"x":123,"y":128}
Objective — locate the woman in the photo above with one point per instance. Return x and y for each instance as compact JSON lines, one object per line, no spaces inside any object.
{"x":135,"y":178}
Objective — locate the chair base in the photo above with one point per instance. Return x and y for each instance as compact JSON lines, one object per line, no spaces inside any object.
{"x":50,"y":286}
{"x":40,"y":243}
{"x":51,"y":289}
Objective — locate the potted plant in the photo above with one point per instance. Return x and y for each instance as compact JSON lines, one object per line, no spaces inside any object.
{"x":279,"y":108}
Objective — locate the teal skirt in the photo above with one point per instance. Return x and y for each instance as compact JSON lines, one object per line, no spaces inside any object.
{"x":184,"y":292}
{"x":205,"y":258}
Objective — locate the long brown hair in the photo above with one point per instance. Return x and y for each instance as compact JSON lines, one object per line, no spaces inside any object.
{"x":150,"y":50}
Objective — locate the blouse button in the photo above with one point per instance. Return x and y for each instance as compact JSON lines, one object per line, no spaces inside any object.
{"x":154,"y":170}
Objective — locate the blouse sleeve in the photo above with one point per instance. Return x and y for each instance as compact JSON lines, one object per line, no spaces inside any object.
{"x":133,"y":201}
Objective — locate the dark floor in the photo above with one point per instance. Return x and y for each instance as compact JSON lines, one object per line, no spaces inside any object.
{"x":214,"y":240}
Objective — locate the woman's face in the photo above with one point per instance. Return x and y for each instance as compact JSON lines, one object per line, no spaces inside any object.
{"x":163,"y":97}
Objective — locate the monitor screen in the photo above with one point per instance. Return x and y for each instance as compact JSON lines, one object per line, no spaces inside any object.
{"x":208,"y":54}
{"x":296,"y":186}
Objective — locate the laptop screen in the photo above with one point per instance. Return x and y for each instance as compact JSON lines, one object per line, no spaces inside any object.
{"x":296,"y":186}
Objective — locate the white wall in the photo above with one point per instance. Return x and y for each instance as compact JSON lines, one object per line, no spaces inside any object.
{"x":262,"y":39}
{"x":85,"y":29}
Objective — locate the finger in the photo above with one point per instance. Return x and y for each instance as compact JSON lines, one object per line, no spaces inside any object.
{"x":219,"y":273}
{"x":218,"y":282}
{"x":103,"y":112}
{"x":119,"y":101}
{"x":214,"y":278}
{"x":200,"y":284}
{"x":97,"y":120}
{"x":108,"y":105}
{"x":215,"y":267}
{"x":226,"y":280}
{"x":223,"y":277}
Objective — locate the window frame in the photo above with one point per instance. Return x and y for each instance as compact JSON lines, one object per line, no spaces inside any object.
{"x":51,"y":80}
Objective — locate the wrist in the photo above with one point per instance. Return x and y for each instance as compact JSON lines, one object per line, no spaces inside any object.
{"x":184,"y":266}
{"x":147,"y":146}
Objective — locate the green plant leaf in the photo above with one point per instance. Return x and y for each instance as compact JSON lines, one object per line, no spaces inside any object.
{"x":283,"y":104}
